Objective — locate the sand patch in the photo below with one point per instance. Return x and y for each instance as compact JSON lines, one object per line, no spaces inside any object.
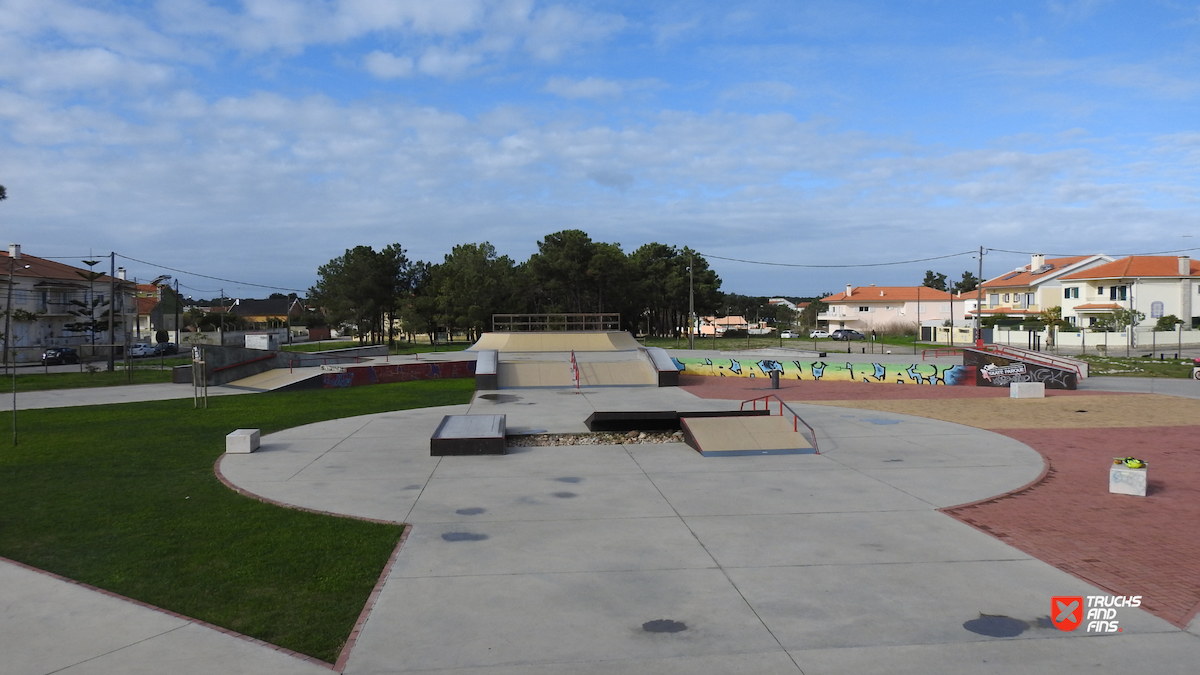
{"x":1059,"y":412}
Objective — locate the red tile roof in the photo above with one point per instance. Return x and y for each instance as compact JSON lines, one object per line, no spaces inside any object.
{"x":41,"y":268}
{"x":144,"y":305}
{"x":1025,"y":277}
{"x":1137,"y":266}
{"x":888,"y":294}
{"x":1098,"y":305}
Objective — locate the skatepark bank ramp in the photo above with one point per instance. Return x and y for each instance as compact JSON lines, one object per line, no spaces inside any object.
{"x":575,"y":359}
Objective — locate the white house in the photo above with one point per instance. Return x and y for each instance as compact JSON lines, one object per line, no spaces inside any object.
{"x":879,"y":308}
{"x":1028,"y":291}
{"x":1156,"y":286}
{"x":49,"y":297}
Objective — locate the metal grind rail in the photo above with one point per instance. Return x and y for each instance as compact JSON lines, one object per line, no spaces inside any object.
{"x":940,"y":352}
{"x":797,"y":420}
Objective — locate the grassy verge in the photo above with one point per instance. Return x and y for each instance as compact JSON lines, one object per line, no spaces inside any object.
{"x":44,"y":381}
{"x":1137,"y":367}
{"x":123,"y":497}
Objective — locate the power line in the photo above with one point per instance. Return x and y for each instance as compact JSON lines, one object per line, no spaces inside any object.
{"x":1068,"y":255}
{"x":883,"y":264}
{"x":206,"y":276}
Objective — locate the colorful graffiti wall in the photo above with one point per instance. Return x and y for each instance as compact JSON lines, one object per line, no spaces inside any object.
{"x":993,"y":370}
{"x":355,"y":376}
{"x":831,"y":371}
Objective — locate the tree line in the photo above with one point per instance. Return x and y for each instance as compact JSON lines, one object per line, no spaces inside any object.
{"x":378,"y":291}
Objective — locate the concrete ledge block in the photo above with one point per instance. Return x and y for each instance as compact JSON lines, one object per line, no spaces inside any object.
{"x":1125,"y":481}
{"x":1027,"y":390}
{"x":241,"y":441}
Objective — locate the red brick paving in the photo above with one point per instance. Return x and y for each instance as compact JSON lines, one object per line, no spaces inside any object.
{"x":1126,"y":545}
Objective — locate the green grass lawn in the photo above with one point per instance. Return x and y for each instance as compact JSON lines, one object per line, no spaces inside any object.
{"x":124,"y":497}
{"x":103,"y":378}
{"x":1137,"y":367}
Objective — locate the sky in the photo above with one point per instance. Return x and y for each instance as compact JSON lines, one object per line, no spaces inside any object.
{"x":255,"y":140}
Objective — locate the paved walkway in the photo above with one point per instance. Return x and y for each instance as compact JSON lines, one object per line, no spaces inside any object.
{"x":66,"y":398}
{"x":638,"y":558}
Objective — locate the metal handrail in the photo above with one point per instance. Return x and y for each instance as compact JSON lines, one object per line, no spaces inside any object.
{"x":242,"y":363}
{"x":796,"y":418}
{"x":949,"y":351}
{"x":1045,"y":359}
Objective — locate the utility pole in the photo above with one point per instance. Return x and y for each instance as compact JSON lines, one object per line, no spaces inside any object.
{"x":979,"y":303}
{"x":691,"y":302}
{"x":177,"y":313}
{"x":112,"y":310}
{"x":14,"y":254}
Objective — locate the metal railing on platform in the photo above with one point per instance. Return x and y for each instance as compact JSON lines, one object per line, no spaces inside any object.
{"x":797,"y":420}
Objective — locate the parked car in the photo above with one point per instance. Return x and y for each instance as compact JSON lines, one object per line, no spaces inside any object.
{"x":58,"y":356}
{"x":787,"y":334}
{"x":819,"y":334}
{"x":166,"y":348}
{"x":847,"y":334}
{"x":141,"y":349}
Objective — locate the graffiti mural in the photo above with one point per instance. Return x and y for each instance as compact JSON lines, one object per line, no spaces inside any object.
{"x":993,"y":370}
{"x":915,"y":373}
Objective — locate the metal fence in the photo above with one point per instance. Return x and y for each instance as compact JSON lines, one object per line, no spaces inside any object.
{"x":521,"y":323}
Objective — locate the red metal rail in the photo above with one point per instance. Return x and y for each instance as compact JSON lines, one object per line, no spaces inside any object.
{"x":797,"y":420}
{"x":940,"y":352}
{"x":242,"y":363}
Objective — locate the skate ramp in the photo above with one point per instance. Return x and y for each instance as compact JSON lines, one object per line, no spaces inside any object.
{"x":737,"y":436}
{"x":275,"y":379}
{"x":558,"y":341}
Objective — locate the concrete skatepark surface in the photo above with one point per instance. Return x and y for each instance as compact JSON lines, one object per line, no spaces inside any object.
{"x":638,"y":558}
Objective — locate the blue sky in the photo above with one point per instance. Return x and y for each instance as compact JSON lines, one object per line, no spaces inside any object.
{"x":256,"y":140}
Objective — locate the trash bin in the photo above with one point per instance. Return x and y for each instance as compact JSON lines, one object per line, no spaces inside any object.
{"x":774,"y":379}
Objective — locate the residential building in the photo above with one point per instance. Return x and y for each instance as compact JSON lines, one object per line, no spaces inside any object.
{"x":710,"y":325}
{"x":1028,"y":291}
{"x":880,"y":308}
{"x":1156,"y":286}
{"x":269,"y":313}
{"x":52,"y":303}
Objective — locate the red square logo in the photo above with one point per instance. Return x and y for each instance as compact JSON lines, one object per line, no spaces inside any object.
{"x":1066,"y":612}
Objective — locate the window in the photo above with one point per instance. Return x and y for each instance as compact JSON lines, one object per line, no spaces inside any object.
{"x":1072,"y":292}
{"x":1071,"y":319}
{"x":995,"y":299}
{"x":1029,"y":299}
{"x":1100,"y":290}
{"x":1066,"y":293}
{"x":864,"y":308}
{"x":1117,"y":293}
{"x":1007,"y":297}
{"x":1156,"y":310}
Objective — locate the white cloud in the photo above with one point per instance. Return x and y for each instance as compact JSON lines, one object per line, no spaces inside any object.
{"x":441,"y":62}
{"x":589,"y":87}
{"x":769,"y":90}
{"x":388,"y":66}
